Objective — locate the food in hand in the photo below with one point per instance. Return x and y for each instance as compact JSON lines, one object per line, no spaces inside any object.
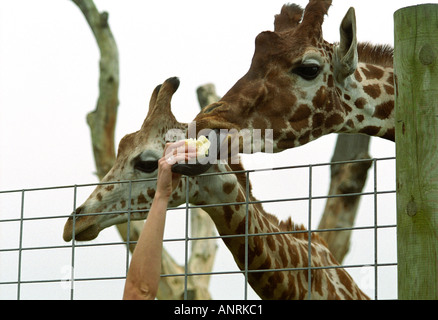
{"x":202,"y":144}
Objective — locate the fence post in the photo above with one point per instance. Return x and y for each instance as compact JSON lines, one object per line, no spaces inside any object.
{"x":416,"y":70}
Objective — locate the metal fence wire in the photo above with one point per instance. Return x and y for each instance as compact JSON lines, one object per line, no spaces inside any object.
{"x":35,"y":263}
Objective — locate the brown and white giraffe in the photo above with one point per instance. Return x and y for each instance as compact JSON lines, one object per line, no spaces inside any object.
{"x":137,"y":158}
{"x":303,"y":87}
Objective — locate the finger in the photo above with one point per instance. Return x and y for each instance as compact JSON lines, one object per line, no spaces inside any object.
{"x":173,"y":145}
{"x":181,"y":158}
{"x":174,"y":148}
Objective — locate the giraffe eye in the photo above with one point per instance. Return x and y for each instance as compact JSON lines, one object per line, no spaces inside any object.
{"x":307,"y":72}
{"x":146,"y":166}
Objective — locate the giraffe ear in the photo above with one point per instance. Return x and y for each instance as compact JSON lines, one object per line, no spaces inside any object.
{"x":346,"y":53}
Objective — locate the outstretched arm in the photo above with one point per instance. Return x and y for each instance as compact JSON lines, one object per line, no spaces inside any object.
{"x":144,"y":272}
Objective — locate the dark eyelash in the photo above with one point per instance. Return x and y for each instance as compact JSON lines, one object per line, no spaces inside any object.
{"x":146,"y":166}
{"x":308,"y":72}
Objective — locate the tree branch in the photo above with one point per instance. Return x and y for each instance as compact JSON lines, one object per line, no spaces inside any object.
{"x":102,"y":120}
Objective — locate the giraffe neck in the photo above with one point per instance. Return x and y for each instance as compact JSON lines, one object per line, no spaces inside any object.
{"x":272,"y":251}
{"x":368,"y":101}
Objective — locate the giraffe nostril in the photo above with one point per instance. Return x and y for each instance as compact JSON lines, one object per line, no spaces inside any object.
{"x":78,"y":210}
{"x":211,"y":107}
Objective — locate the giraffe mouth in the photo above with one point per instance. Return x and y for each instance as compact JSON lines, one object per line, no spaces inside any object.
{"x":81,"y":231}
{"x":88,"y":234}
{"x":202,"y":166}
{"x":82,"y":228}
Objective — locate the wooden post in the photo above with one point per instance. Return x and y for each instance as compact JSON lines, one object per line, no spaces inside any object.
{"x":416,"y":71}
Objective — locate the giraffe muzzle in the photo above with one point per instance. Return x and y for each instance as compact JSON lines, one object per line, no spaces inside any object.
{"x":83,"y":227}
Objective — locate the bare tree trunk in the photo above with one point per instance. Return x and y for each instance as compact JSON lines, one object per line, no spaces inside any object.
{"x":340,"y":212}
{"x":102,"y":121}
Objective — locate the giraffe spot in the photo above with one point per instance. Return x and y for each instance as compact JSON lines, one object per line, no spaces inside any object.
{"x":347,"y":97}
{"x":99,"y":196}
{"x":258,"y":245}
{"x":302,"y":113}
{"x":268,"y":290}
{"x":384,"y":110}
{"x":123,"y":203}
{"x":357,"y":75}
{"x":176,"y":196}
{"x":141,"y":199}
{"x":290,"y":136}
{"x":271,"y":243}
{"x":318,"y":120}
{"x":259,"y":122}
{"x":391,"y":79}
{"x":298,"y":126}
{"x":151,"y":193}
{"x":305,"y":138}
{"x":283,"y":256}
{"x":295,"y":258}
{"x":360,"y":118}
{"x":266,"y":264}
{"x":373,"y":72}
{"x":332,"y":102}
{"x":241,"y":227}
{"x":389,"y":89}
{"x":316,"y":134}
{"x":370,"y":130}
{"x":330,"y":287}
{"x":350,"y":123}
{"x":241,"y":252}
{"x":333,"y":121}
{"x":228,"y":214}
{"x":320,"y":98}
{"x":277,"y":277}
{"x":330,"y":82}
{"x":390,"y":134}
{"x":373,"y":90}
{"x":109,"y":188}
{"x":360,"y":103}
{"x":344,"y":279}
{"x":346,"y":107}
{"x":228,"y":187}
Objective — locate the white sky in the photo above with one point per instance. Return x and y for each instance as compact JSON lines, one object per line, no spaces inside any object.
{"x":48,"y":83}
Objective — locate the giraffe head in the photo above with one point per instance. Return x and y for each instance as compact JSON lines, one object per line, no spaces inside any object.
{"x":296,"y":84}
{"x":137,"y":158}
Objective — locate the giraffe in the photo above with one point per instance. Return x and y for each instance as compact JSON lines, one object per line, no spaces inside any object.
{"x":137,"y":158}
{"x":302,"y":87}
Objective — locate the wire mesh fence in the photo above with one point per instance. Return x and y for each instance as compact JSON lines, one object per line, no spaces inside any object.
{"x":36,"y":264}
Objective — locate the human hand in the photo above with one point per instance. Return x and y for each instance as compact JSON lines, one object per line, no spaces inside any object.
{"x":173,"y":153}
